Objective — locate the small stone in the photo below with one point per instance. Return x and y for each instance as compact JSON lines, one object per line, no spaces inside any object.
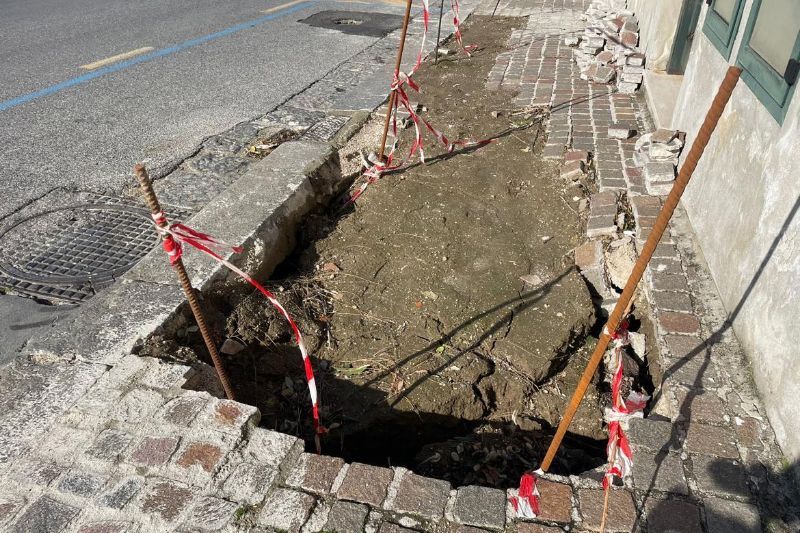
{"x":620,"y":260}
{"x":604,"y":75}
{"x":286,"y":510}
{"x":572,"y":40}
{"x":631,"y":77}
{"x":620,"y":131}
{"x":627,"y":88}
{"x":629,"y":38}
{"x":635,"y":60}
{"x":573,"y":171}
{"x":231,"y":347}
{"x":166,"y":499}
{"x":605,"y":57}
{"x":480,"y":507}
{"x":443,"y":51}
{"x":638,"y":344}
{"x":347,"y":517}
{"x":496,"y":114}
{"x":663,"y":135}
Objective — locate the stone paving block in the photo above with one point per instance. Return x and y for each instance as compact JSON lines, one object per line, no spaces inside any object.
{"x":315,"y":473}
{"x":572,"y":171}
{"x":154,"y":451}
{"x":711,"y":440}
{"x":576,"y":155}
{"x":163,"y":375}
{"x":347,"y":517}
{"x":668,"y":515}
{"x":286,"y":510}
{"x":204,"y":455}
{"x":556,"y":501}
{"x":122,"y":492}
{"x":274,"y":449}
{"x":137,"y":405}
{"x":9,"y":507}
{"x":227,"y":416}
{"x":421,"y":496}
{"x":669,"y":282}
{"x":249,"y":482}
{"x":657,"y":435}
{"x":684,"y":346}
{"x":45,"y":515}
{"x":621,"y":510}
{"x":388,"y":527}
{"x":589,"y":254}
{"x":671,"y":301}
{"x":63,"y":443}
{"x":700,"y":406}
{"x":697,"y":371}
{"x":365,"y":484}
{"x":106,"y":526}
{"x":110,"y":445}
{"x":672,"y":322}
{"x":37,"y":472}
{"x":719,"y":475}
{"x":480,"y":507}
{"x":603,"y":226}
{"x":182,"y":410}
{"x":527,"y":527}
{"x":662,"y":471}
{"x":621,"y":131}
{"x":725,"y":516}
{"x":211,"y":514}
{"x":166,"y":499}
{"x":84,"y":484}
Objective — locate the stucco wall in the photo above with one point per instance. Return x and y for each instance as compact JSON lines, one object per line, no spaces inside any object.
{"x":743,"y":204}
{"x":658,"y":21}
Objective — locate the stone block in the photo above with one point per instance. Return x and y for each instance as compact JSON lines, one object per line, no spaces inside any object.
{"x":166,"y":499}
{"x":83,"y":484}
{"x":347,"y":517}
{"x":621,"y":131}
{"x":271,"y":448}
{"x":210,"y":514}
{"x":45,"y":514}
{"x":626,"y":87}
{"x":621,"y":509}
{"x":286,"y":510}
{"x":719,"y":475}
{"x":700,"y":406}
{"x":632,"y":77}
{"x":137,"y":405}
{"x":576,"y":155}
{"x":665,"y":515}
{"x":719,"y":441}
{"x":605,"y":57}
{"x":601,"y":227}
{"x":684,"y":346}
{"x":388,"y":527}
{"x":635,"y":60}
{"x":725,"y":516}
{"x":589,"y":255}
{"x":249,"y":482}
{"x":106,"y":526}
{"x":658,"y":172}
{"x":556,"y":500}
{"x":182,"y":410}
{"x":604,"y":75}
{"x":37,"y":472}
{"x":228,"y":416}
{"x":657,"y":435}
{"x":480,"y":507}
{"x":573,"y":171}
{"x":9,"y":507}
{"x":662,"y":471}
{"x":421,"y":496}
{"x":669,"y":282}
{"x":163,"y":375}
{"x":527,"y":527}
{"x":671,"y":301}
{"x":671,"y":322}
{"x":121,"y":493}
{"x":315,"y":473}
{"x":365,"y":484}
{"x":154,"y":451}
{"x":663,"y":136}
{"x":205,"y":455}
{"x":629,"y":38}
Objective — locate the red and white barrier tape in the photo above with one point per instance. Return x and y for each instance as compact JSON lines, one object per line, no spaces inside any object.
{"x":373,"y":165}
{"x":526,"y":502}
{"x":175,"y":235}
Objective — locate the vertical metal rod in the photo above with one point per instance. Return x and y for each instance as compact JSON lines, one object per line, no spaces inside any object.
{"x":495,"y":8}
{"x":438,"y":33}
{"x":685,"y":174}
{"x":397,"y":65}
{"x":186,"y":284}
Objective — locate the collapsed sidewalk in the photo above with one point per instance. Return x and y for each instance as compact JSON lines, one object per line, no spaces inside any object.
{"x":139,"y":451}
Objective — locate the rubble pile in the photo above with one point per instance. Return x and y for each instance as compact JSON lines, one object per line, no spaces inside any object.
{"x":607,"y":51}
{"x":657,"y":154}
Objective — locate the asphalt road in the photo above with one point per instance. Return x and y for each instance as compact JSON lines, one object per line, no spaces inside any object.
{"x":212,"y":64}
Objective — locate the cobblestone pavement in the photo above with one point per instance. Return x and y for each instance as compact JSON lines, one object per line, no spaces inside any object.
{"x":118,"y":443}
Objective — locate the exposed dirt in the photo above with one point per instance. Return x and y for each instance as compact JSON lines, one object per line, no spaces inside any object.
{"x":446,"y":321}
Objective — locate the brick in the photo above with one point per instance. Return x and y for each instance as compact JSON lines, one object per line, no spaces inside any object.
{"x":621,"y":509}
{"x":671,"y":301}
{"x":249,"y":482}
{"x":672,"y":515}
{"x":211,"y":513}
{"x":365,"y":484}
{"x":110,"y":445}
{"x":203,"y":454}
{"x":559,"y":501}
{"x":573,"y":171}
{"x":588,"y":255}
{"x":105,"y":526}
{"x":718,"y":441}
{"x":286,"y":510}
{"x":122,"y":493}
{"x":725,"y":516}
{"x":621,"y":131}
{"x":421,"y":496}
{"x":182,"y":410}
{"x":166,"y":499}
{"x":347,"y":517}
{"x":46,"y":515}
{"x":480,"y":507}
{"x":658,"y":435}
{"x":315,"y":473}
{"x":672,"y":322}
{"x":154,"y":451}
{"x":84,"y":484}
{"x":662,"y":471}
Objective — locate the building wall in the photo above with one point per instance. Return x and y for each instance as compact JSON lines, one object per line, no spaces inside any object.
{"x":658,"y":21}
{"x":743,"y":204}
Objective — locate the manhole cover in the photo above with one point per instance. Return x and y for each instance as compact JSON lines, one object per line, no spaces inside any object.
{"x":356,"y":22}
{"x":69,"y":253}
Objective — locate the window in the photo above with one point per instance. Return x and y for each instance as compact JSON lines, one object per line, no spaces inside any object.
{"x":722,"y":21}
{"x":770,"y":53}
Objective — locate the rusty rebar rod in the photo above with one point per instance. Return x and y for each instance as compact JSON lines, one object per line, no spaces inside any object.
{"x":397,"y":66}
{"x":664,"y":216}
{"x":186,"y":284}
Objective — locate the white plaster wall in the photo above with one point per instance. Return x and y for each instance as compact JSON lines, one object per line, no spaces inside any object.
{"x":658,"y":20}
{"x":739,"y":201}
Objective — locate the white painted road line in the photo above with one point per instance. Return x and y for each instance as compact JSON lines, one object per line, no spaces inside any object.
{"x":283,"y":6}
{"x":118,"y":57}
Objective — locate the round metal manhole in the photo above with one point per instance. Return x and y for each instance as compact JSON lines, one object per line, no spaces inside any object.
{"x":69,"y":252}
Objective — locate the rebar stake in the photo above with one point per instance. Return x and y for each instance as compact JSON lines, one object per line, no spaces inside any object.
{"x":397,"y":66}
{"x":186,"y":284}
{"x":664,"y":216}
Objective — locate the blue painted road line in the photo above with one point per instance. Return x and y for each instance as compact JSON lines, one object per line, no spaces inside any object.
{"x":47,"y":91}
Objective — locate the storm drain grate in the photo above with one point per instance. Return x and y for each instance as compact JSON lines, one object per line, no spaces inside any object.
{"x":69,"y":253}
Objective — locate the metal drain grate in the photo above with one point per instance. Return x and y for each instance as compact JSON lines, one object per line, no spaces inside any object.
{"x":69,"y":253}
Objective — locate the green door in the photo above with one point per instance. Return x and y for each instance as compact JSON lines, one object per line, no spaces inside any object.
{"x":684,"y":36}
